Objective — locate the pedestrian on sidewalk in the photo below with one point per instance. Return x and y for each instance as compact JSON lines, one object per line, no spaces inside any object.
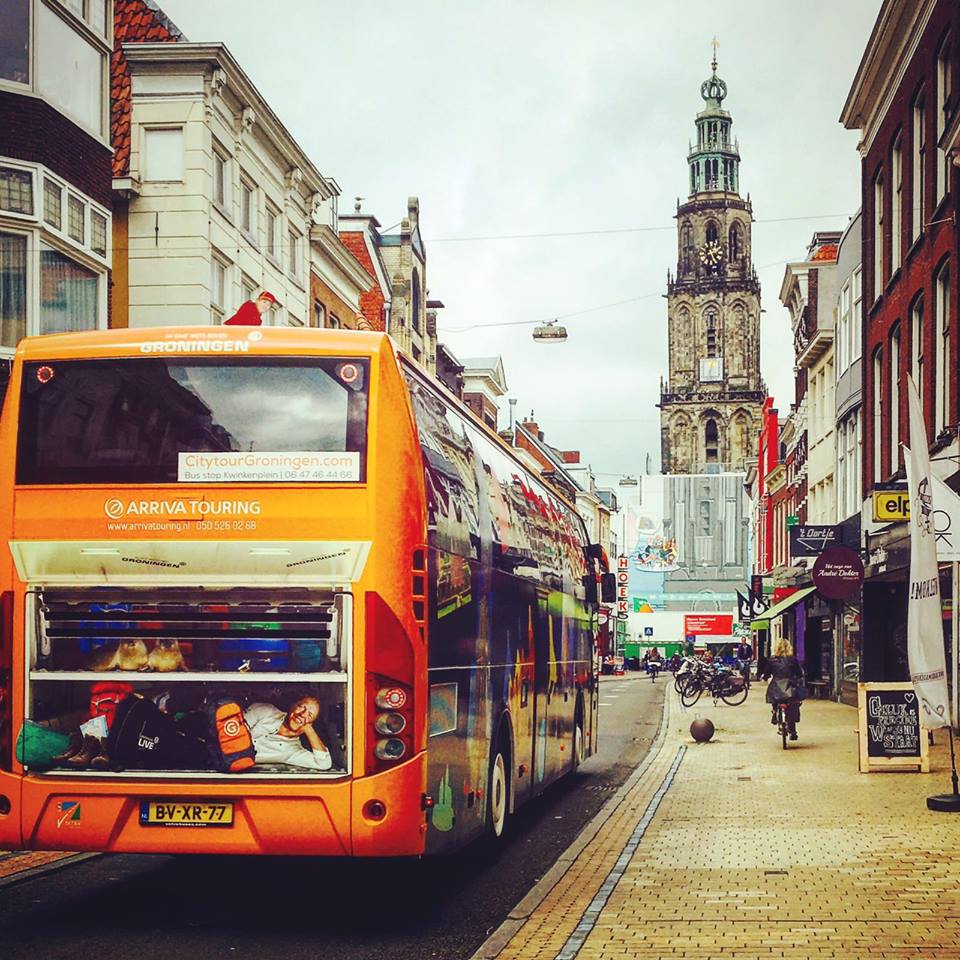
{"x":786,"y":684}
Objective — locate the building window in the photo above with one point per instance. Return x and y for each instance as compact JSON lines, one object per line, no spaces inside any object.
{"x":71,"y":71}
{"x":247,"y":288}
{"x":13,"y":289}
{"x":711,"y":441}
{"x":919,"y":159}
{"x":293,"y":240}
{"x":843,"y":329}
{"x":75,"y":218}
{"x":877,"y":415}
{"x":944,"y":84}
{"x":16,"y":191}
{"x":895,"y":399}
{"x":248,"y":222}
{"x":293,"y":321}
{"x":941,"y":292}
{"x":335,"y":323}
{"x":53,"y":203}
{"x":856,"y":321}
{"x":417,"y":355}
{"x":15,"y":41}
{"x":162,"y":155}
{"x":221,"y":181}
{"x":272,"y":225}
{"x":877,"y":235}
{"x":735,"y":242}
{"x":916,"y":344}
{"x":319,"y":314}
{"x":896,"y":198}
{"x":218,"y":283}
{"x":711,"y":334}
{"x":98,"y":233}
{"x":68,"y":293}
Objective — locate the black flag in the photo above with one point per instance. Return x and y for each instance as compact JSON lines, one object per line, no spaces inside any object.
{"x":744,"y":606}
{"x":759,"y":604}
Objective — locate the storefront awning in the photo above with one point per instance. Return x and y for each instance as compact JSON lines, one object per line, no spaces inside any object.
{"x":762,"y":623}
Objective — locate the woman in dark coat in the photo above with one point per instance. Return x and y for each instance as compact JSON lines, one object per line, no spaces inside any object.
{"x":786,"y":676}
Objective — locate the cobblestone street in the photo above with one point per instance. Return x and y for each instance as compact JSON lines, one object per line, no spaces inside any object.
{"x":758,"y":852}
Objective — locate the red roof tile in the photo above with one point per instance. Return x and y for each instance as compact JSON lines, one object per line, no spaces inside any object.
{"x":134,"y":21}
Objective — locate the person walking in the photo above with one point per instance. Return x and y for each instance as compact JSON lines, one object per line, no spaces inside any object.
{"x":786,"y":684}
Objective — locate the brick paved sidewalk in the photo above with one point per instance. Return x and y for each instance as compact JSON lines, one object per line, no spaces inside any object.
{"x":750,"y":851}
{"x":15,"y":863}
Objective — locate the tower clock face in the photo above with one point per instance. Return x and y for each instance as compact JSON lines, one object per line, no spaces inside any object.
{"x":711,"y":254}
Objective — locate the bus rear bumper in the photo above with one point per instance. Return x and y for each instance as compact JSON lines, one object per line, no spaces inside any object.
{"x":377,"y":816}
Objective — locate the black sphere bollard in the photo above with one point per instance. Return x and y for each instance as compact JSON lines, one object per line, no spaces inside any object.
{"x":702,"y":729}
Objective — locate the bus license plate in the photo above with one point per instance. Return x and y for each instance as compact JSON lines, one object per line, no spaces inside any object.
{"x":165,"y":813}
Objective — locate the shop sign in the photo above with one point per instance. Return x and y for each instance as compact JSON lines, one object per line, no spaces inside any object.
{"x":889,"y":728}
{"x":891,"y":505}
{"x":792,"y":520}
{"x":838,"y":573}
{"x":648,"y":631}
{"x":811,"y":541}
{"x":710,"y":624}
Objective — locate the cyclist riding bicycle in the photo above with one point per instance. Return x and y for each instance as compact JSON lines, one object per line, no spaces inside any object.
{"x":786,"y":684}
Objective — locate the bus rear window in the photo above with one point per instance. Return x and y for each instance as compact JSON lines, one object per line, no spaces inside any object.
{"x":160,"y":420}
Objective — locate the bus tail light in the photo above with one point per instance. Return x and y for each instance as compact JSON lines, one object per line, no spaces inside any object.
{"x":391,"y":748}
{"x":6,"y":680}
{"x":390,"y":724}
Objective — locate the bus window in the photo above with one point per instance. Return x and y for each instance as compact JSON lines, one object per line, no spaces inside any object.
{"x":135,"y":420}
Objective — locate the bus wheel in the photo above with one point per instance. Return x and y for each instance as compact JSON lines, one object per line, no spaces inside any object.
{"x":498,"y":795}
{"x":578,"y":741}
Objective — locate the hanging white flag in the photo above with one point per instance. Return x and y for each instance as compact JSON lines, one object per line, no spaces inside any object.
{"x":925,"y":652}
{"x":946,"y":516}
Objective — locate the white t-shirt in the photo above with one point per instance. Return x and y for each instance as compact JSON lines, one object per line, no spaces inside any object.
{"x":264,"y":720}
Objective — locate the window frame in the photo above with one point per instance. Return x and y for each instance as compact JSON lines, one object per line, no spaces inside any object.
{"x":294,"y":267}
{"x":221,"y":193}
{"x":145,"y":130}
{"x":941,"y":310}
{"x":877,"y":376}
{"x":34,"y":237}
{"x":944,"y":94}
{"x":894,"y":397}
{"x":918,"y":154}
{"x":896,"y":203}
{"x":878,"y":222}
{"x":219,"y":261}
{"x":272,"y":220}
{"x":248,"y":208}
{"x":32,"y":170}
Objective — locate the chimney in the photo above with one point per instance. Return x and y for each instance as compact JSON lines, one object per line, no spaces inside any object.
{"x":570,"y":456}
{"x":413,"y":211}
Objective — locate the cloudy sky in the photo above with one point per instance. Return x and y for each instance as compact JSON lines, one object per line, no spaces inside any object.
{"x":547,"y":143}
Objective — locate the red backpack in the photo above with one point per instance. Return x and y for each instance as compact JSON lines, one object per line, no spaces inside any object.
{"x":105,"y":697}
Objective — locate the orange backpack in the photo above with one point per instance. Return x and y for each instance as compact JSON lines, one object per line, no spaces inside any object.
{"x":231,"y":745}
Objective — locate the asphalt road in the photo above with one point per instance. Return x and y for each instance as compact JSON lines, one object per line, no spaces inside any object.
{"x":146,"y":907}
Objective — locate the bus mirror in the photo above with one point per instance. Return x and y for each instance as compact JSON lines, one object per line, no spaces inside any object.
{"x":608,"y":587}
{"x":590,"y":588}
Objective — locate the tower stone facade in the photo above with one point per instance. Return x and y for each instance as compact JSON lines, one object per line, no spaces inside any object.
{"x":711,"y":401}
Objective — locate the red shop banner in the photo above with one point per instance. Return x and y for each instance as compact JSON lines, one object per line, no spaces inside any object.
{"x":708,"y":624}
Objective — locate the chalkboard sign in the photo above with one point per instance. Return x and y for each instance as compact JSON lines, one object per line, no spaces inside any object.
{"x":890,"y":731}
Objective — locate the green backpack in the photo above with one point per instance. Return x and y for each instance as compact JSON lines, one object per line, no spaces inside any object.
{"x":38,"y":745}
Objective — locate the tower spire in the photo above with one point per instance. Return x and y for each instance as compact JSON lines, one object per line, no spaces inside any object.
{"x":714,"y":43}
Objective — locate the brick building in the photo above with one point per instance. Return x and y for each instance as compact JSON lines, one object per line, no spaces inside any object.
{"x":55,"y":219}
{"x":902,"y":100}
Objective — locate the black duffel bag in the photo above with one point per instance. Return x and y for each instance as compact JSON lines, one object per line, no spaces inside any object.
{"x":143,"y":737}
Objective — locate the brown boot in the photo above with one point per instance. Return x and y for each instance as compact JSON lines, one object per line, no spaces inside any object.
{"x":81,"y":760}
{"x":101,"y":761}
{"x":73,"y":748}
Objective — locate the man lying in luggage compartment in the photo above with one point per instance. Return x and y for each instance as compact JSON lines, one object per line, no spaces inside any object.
{"x":276,"y":735}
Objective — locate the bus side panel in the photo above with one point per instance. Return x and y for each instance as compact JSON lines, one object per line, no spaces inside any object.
{"x":459,"y":738}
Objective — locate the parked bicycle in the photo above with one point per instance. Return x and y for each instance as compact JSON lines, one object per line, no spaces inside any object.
{"x":720,"y":682}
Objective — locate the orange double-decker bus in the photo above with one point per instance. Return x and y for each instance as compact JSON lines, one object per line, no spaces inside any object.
{"x":279,"y":590}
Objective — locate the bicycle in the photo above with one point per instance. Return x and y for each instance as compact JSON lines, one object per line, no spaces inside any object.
{"x":783,"y":724}
{"x":722,"y":683}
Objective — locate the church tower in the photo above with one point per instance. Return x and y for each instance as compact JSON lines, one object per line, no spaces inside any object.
{"x":710,"y":403}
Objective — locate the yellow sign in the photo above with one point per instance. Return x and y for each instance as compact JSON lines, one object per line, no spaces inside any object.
{"x":891,"y":505}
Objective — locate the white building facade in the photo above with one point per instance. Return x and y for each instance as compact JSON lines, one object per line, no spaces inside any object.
{"x":223,"y":202}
